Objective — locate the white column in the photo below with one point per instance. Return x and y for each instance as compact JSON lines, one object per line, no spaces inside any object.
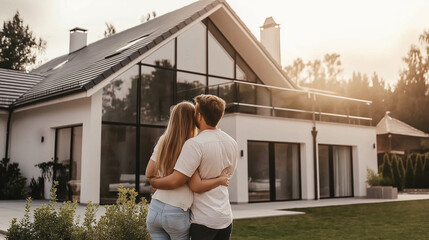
{"x":91,"y":152}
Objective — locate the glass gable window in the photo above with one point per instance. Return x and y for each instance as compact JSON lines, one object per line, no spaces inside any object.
{"x":243,"y":71}
{"x":191,"y":49}
{"x":163,"y":57}
{"x":156,"y":95}
{"x":222,"y":88}
{"x":221,"y":54}
{"x":119,"y":98}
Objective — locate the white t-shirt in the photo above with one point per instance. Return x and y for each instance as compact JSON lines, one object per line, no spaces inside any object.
{"x":210,"y":152}
{"x":181,"y":197}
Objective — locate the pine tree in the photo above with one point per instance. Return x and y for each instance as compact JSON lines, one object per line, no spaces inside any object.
{"x":397,"y":178}
{"x":426,"y":171}
{"x":402,"y":171}
{"x":387,"y":170}
{"x":409,"y":173}
{"x":418,"y":172}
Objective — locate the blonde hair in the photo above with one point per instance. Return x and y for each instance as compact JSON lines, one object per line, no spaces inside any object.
{"x":181,"y":127}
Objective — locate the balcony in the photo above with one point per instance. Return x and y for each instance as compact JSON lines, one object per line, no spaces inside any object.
{"x":259,"y":99}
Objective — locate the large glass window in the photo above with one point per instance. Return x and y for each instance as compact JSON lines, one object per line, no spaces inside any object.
{"x":335,"y":171}
{"x":243,"y":71}
{"x":221,"y":54}
{"x":119,"y":98}
{"x":191,"y":49}
{"x":163,"y":57}
{"x":274,"y":171}
{"x":189,"y":85}
{"x":222,"y":88}
{"x":118,"y":160}
{"x":148,"y":138}
{"x":156,"y":95}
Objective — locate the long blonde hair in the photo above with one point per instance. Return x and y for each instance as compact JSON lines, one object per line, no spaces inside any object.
{"x":181,"y":127}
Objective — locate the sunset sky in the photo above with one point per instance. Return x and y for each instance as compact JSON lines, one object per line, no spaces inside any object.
{"x":371,"y":36}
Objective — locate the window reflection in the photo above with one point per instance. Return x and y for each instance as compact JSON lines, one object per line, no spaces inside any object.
{"x":243,"y":71}
{"x":148,"y":138}
{"x":163,"y":57}
{"x":119,"y":97}
{"x":118,"y":160}
{"x":222,"y":88}
{"x":189,"y":86}
{"x":191,"y":49}
{"x":156,"y":95}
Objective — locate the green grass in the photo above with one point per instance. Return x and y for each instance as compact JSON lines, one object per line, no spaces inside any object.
{"x":399,"y":220}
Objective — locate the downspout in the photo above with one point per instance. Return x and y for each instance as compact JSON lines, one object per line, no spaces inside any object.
{"x":314,"y":134}
{"x":6,"y":153}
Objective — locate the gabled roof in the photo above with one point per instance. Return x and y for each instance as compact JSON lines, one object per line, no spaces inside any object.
{"x":389,"y":125}
{"x":14,"y":84}
{"x":85,"y":68}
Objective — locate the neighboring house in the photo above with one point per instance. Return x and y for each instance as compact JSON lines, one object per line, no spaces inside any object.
{"x":101,"y":108}
{"x":396,"y":137}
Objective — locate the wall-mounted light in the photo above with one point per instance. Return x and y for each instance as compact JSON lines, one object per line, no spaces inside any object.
{"x":373,"y":145}
{"x":241,"y":153}
{"x":42,"y":139}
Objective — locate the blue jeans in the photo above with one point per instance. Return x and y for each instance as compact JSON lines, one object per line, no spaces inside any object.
{"x":164,"y":221}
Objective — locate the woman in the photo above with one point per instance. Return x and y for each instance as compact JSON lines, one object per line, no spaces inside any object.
{"x":168,"y":216}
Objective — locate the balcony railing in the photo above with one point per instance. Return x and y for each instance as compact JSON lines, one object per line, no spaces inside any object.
{"x":253,"y":98}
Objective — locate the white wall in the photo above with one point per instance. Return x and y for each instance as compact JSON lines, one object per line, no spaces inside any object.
{"x":28,"y":127}
{"x":264,"y":128}
{"x":3,"y":126}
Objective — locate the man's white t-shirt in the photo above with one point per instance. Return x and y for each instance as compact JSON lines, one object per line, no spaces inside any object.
{"x":210,"y":152}
{"x":180,"y":197}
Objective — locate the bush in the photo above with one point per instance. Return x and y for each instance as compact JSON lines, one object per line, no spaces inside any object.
{"x":37,"y":188}
{"x":409,"y":173}
{"x":418,"y":172}
{"x":426,"y":171}
{"x":124,"y":220}
{"x":12,"y":183}
{"x":372,"y":178}
{"x":398,"y":180}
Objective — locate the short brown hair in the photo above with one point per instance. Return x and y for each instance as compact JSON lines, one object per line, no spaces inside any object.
{"x":210,"y":107}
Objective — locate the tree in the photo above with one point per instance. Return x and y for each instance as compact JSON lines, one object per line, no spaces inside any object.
{"x":426,"y":171}
{"x":409,"y":173}
{"x":295,"y":71}
{"x":148,"y":17}
{"x":110,"y":30}
{"x":418,"y":172}
{"x":18,"y":45}
{"x":386,"y":170}
{"x":397,"y":174}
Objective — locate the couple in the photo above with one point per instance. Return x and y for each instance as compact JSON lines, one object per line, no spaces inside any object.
{"x":191,"y":173}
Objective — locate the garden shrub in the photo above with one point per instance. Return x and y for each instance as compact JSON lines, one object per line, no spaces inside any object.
{"x":409,"y":173}
{"x":37,"y":188}
{"x":124,"y":220}
{"x":386,"y":171}
{"x":397,"y":174}
{"x":426,"y":171}
{"x":418,"y":172}
{"x":372,"y":178}
{"x":12,"y":183}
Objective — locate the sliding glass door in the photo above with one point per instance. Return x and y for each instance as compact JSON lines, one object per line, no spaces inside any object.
{"x":335,"y":171}
{"x":274,"y":171}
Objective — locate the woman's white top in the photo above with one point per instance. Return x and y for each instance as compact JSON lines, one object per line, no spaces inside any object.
{"x":181,"y":197}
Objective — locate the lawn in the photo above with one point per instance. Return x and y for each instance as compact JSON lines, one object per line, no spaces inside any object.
{"x":398,"y":220}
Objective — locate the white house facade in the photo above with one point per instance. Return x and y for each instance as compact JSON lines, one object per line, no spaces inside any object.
{"x":100,"y":109}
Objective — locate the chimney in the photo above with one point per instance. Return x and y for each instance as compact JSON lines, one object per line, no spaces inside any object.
{"x":270,"y":38}
{"x":77,"y":39}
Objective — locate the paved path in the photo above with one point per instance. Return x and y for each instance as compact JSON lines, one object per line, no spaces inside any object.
{"x":15,"y":209}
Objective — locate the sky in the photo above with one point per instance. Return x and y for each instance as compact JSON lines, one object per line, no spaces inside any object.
{"x":370,"y":35}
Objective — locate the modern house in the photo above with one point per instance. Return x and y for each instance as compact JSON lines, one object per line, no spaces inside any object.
{"x":101,"y":108}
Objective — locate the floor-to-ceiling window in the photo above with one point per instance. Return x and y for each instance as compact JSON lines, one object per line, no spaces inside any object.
{"x":68,"y":154}
{"x":136,"y":104}
{"x":273,"y":171}
{"x":335,"y":171}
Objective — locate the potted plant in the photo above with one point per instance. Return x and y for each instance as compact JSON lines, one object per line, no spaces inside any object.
{"x":379,"y":186}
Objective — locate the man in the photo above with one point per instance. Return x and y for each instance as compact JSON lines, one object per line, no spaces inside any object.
{"x":208,"y":153}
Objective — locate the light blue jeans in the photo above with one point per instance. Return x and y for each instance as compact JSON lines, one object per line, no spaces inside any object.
{"x":164,"y":221}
